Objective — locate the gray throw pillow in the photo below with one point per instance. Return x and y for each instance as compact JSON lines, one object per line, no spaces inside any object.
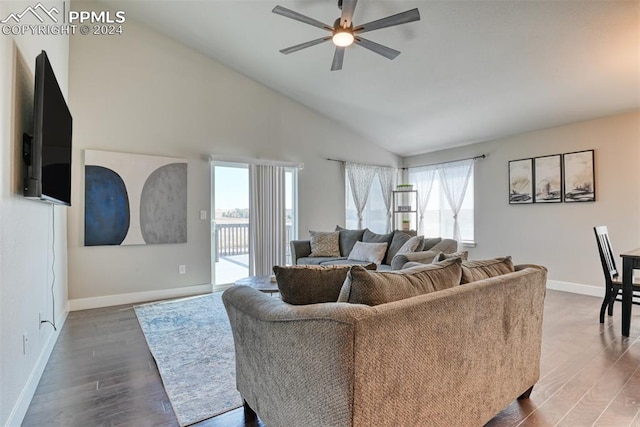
{"x":311,"y":284}
{"x":324,"y":244}
{"x":371,"y":237}
{"x":409,"y":246}
{"x":348,"y":238}
{"x":374,"y":288}
{"x":371,"y":252}
{"x":485,"y":269}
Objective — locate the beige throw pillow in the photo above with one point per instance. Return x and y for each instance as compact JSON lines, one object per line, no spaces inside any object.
{"x":325,"y":244}
{"x":374,"y":288}
{"x":485,"y":269}
{"x":369,"y":252}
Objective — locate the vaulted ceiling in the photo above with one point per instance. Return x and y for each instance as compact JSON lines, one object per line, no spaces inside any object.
{"x":469,"y":71}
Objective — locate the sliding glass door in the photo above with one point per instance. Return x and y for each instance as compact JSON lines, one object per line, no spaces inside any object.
{"x":231,"y":223}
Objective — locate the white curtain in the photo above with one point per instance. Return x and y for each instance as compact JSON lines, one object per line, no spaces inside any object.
{"x":267,"y":222}
{"x":454,"y":178}
{"x":422,"y":178}
{"x":360,"y":179}
{"x":387,"y":177}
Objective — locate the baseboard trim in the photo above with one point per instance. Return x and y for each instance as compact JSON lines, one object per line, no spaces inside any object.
{"x":576,"y":288}
{"x":24,"y":399}
{"x":136,"y":297}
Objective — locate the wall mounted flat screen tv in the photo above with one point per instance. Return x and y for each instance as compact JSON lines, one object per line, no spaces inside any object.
{"x":47,"y":153}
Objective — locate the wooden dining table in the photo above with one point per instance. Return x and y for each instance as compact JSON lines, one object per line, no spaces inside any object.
{"x":630,"y":261}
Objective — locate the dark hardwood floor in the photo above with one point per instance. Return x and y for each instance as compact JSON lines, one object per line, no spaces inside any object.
{"x":102,"y":374}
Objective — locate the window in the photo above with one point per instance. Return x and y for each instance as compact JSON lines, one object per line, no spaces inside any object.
{"x":374,"y":216}
{"x":438,"y":217}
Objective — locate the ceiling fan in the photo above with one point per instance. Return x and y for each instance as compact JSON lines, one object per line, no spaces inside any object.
{"x":344,"y":33}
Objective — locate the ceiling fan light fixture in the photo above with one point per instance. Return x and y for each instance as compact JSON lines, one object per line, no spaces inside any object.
{"x":342,"y":38}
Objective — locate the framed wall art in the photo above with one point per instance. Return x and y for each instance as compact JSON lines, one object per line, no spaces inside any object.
{"x":134,"y":199}
{"x":547,"y":171}
{"x":579,"y":177}
{"x":521,"y":181}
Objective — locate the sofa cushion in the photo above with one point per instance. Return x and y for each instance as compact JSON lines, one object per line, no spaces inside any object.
{"x":374,"y":288}
{"x":349,"y":262}
{"x":348,"y":238}
{"x":371,"y":237}
{"x":310,"y":284}
{"x":464,"y":255}
{"x":325,"y":243}
{"x":370,"y":252}
{"x":397,"y":241}
{"x":319,"y":260}
{"x":485,"y":269}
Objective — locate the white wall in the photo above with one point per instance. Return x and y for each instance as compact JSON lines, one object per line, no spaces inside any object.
{"x":558,"y":236}
{"x":144,"y":93}
{"x":26,"y":227}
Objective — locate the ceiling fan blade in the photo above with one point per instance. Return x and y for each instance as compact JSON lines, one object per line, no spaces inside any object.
{"x":338,"y":56}
{"x":279,"y":10}
{"x":387,"y":52}
{"x":304,"y":45}
{"x":348,"y":7}
{"x":389,"y":21}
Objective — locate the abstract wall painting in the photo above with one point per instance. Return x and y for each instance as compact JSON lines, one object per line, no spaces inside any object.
{"x":579,"y":177}
{"x":134,"y":199}
{"x":520,"y":181}
{"x":547,"y":171}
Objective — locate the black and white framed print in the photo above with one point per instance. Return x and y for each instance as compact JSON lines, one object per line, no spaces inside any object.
{"x":521,"y":181}
{"x":579,"y":177}
{"x":547,"y":171}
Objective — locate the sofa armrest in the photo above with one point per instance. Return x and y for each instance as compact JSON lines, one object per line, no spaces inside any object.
{"x":299,"y":249}
{"x":282,"y":349}
{"x":423,"y":257}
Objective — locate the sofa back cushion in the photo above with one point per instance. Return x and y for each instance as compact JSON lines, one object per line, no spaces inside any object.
{"x":348,"y":239}
{"x":325,"y":244}
{"x":485,"y":269}
{"x":398,"y":240}
{"x":430,"y":243}
{"x":374,"y":288}
{"x":311,"y":284}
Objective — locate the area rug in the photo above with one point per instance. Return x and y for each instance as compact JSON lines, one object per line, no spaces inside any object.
{"x":191,"y":341}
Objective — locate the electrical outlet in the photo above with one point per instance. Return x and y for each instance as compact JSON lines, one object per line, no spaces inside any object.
{"x":182,"y":269}
{"x":25,"y":340}
{"x":203,"y":215}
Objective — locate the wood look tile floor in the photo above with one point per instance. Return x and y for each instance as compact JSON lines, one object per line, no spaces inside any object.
{"x":102,"y":374}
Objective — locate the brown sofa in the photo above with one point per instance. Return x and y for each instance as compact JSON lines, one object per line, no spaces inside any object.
{"x":454,"y":357}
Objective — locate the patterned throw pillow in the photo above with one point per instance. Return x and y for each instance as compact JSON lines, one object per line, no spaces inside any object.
{"x":485,"y":269}
{"x":325,"y":244}
{"x":370,"y":252}
{"x":374,"y":288}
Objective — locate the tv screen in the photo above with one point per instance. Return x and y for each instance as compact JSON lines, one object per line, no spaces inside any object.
{"x":48,"y":154}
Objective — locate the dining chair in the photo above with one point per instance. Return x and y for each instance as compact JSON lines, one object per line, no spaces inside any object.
{"x":613,"y":280}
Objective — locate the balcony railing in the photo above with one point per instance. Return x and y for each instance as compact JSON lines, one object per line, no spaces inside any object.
{"x":233,"y":239}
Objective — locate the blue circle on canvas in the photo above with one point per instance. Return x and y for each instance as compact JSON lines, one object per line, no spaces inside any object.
{"x":106,"y":207}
